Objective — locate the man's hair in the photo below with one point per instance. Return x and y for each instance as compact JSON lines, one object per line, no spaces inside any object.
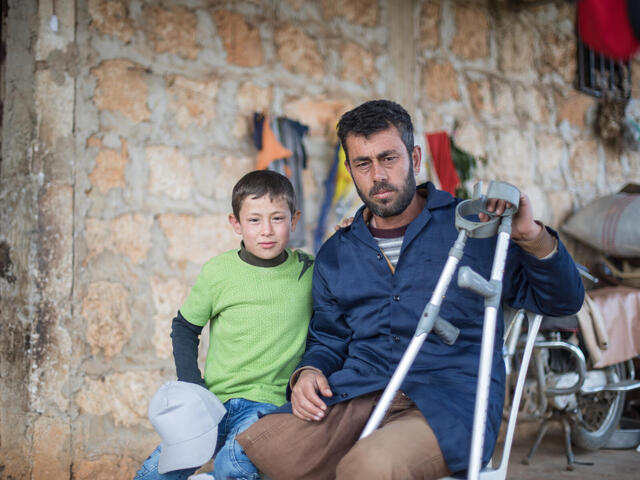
{"x":374,"y":116}
{"x":258,"y":183}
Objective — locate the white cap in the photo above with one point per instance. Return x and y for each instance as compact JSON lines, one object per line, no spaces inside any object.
{"x":186,"y":416}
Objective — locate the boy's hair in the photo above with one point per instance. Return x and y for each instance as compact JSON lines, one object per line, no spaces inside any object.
{"x":372,"y":117}
{"x":259,"y":183}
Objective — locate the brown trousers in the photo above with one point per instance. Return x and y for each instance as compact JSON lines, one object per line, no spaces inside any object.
{"x":285,"y":447}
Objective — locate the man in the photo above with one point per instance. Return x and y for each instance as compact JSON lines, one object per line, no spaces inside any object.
{"x":370,"y":285}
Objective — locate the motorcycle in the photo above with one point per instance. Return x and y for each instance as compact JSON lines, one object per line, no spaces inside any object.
{"x":562,"y":385}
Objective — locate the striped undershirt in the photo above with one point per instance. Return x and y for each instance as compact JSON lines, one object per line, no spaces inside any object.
{"x":389,"y":241}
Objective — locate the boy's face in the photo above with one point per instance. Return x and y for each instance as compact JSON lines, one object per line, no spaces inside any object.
{"x":264,"y":225}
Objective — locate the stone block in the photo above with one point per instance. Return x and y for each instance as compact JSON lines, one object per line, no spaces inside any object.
{"x":615,"y":169}
{"x":109,"y":170}
{"x":583,"y":161}
{"x":531,"y":104}
{"x":111,"y":17}
{"x":319,"y":114}
{"x":197,"y":239}
{"x":169,"y":172}
{"x":358,"y":65}
{"x":480,"y":95}
{"x":193,"y":101}
{"x":516,"y":47}
{"x":54,"y":106}
{"x":121,"y":87}
{"x":47,"y":40}
{"x":51,"y":448}
{"x":107,"y":467}
{"x":440,"y":82}
{"x":558,"y":54}
{"x":173,"y":30}
{"x":229,"y":171}
{"x":241,"y":41}
{"x":128,"y":235}
{"x":167,"y":294}
{"x":430,"y":17}
{"x":358,"y":12}
{"x":471,"y":40}
{"x":573,"y":108}
{"x":254,"y":98}
{"x":550,"y":153}
{"x":513,"y":161}
{"x":131,"y":235}
{"x":503,"y":100}
{"x":471,"y":138}
{"x":123,"y":396}
{"x":298,"y":52}
{"x":106,"y":311}
{"x":55,"y":241}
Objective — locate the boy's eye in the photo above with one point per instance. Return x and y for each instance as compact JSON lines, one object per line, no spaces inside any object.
{"x":252,"y":220}
{"x":278,"y":219}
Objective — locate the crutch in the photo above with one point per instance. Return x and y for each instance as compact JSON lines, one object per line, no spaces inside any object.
{"x":430,"y":319}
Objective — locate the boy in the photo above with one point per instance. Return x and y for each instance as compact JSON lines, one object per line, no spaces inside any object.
{"x":257,"y":300}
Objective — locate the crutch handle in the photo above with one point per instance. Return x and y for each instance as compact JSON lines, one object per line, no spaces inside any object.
{"x":446,"y":331}
{"x":476,"y":229}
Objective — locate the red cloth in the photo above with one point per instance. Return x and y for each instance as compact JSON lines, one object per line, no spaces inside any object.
{"x":440,"y":148}
{"x":604,"y":26}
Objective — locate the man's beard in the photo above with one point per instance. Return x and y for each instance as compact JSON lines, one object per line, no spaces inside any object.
{"x":386,"y":208}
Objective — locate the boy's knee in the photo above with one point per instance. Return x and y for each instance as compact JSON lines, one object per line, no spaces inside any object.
{"x":232,"y":462}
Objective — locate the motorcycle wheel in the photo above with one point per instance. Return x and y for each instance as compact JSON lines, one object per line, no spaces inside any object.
{"x":598,"y":413}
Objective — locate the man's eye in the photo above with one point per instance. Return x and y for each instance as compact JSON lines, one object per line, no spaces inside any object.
{"x":389,"y":159}
{"x":278,"y":219}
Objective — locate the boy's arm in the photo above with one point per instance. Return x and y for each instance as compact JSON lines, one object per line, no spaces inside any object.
{"x":185,"y":339}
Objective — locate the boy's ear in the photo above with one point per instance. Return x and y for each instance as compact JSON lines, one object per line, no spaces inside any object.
{"x":294,"y":220}
{"x":235,"y":224}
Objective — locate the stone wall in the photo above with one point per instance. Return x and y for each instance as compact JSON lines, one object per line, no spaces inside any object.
{"x":124,"y":131}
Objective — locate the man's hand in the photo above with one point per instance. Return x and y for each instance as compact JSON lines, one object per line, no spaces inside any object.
{"x":305,"y":401}
{"x":523,"y":228}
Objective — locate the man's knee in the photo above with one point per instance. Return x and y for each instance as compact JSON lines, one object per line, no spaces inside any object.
{"x":364,"y":461}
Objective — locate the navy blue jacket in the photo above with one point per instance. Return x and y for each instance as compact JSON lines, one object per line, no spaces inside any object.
{"x":364,"y":317}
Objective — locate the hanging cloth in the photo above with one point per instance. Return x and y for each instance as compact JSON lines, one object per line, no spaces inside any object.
{"x":440,"y":147}
{"x":608,"y":26}
{"x":280,"y":148}
{"x":270,"y":149}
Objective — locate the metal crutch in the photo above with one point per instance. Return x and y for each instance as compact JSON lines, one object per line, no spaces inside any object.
{"x":430,"y":319}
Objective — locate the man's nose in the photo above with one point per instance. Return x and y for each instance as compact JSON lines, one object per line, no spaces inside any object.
{"x":379,"y":172}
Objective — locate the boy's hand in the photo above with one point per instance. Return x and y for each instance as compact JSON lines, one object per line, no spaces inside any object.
{"x":344,"y":223}
{"x":306,"y":404}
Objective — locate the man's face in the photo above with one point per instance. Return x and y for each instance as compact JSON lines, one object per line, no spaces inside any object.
{"x":265,"y":225}
{"x":383,"y":171}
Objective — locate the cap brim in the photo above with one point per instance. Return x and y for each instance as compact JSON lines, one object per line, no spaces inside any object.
{"x":192,"y":453}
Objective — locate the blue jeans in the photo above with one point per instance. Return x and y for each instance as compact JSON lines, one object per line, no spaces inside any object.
{"x":230,"y":460}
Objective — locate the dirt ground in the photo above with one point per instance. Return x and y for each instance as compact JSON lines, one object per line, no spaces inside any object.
{"x":549,"y":461}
